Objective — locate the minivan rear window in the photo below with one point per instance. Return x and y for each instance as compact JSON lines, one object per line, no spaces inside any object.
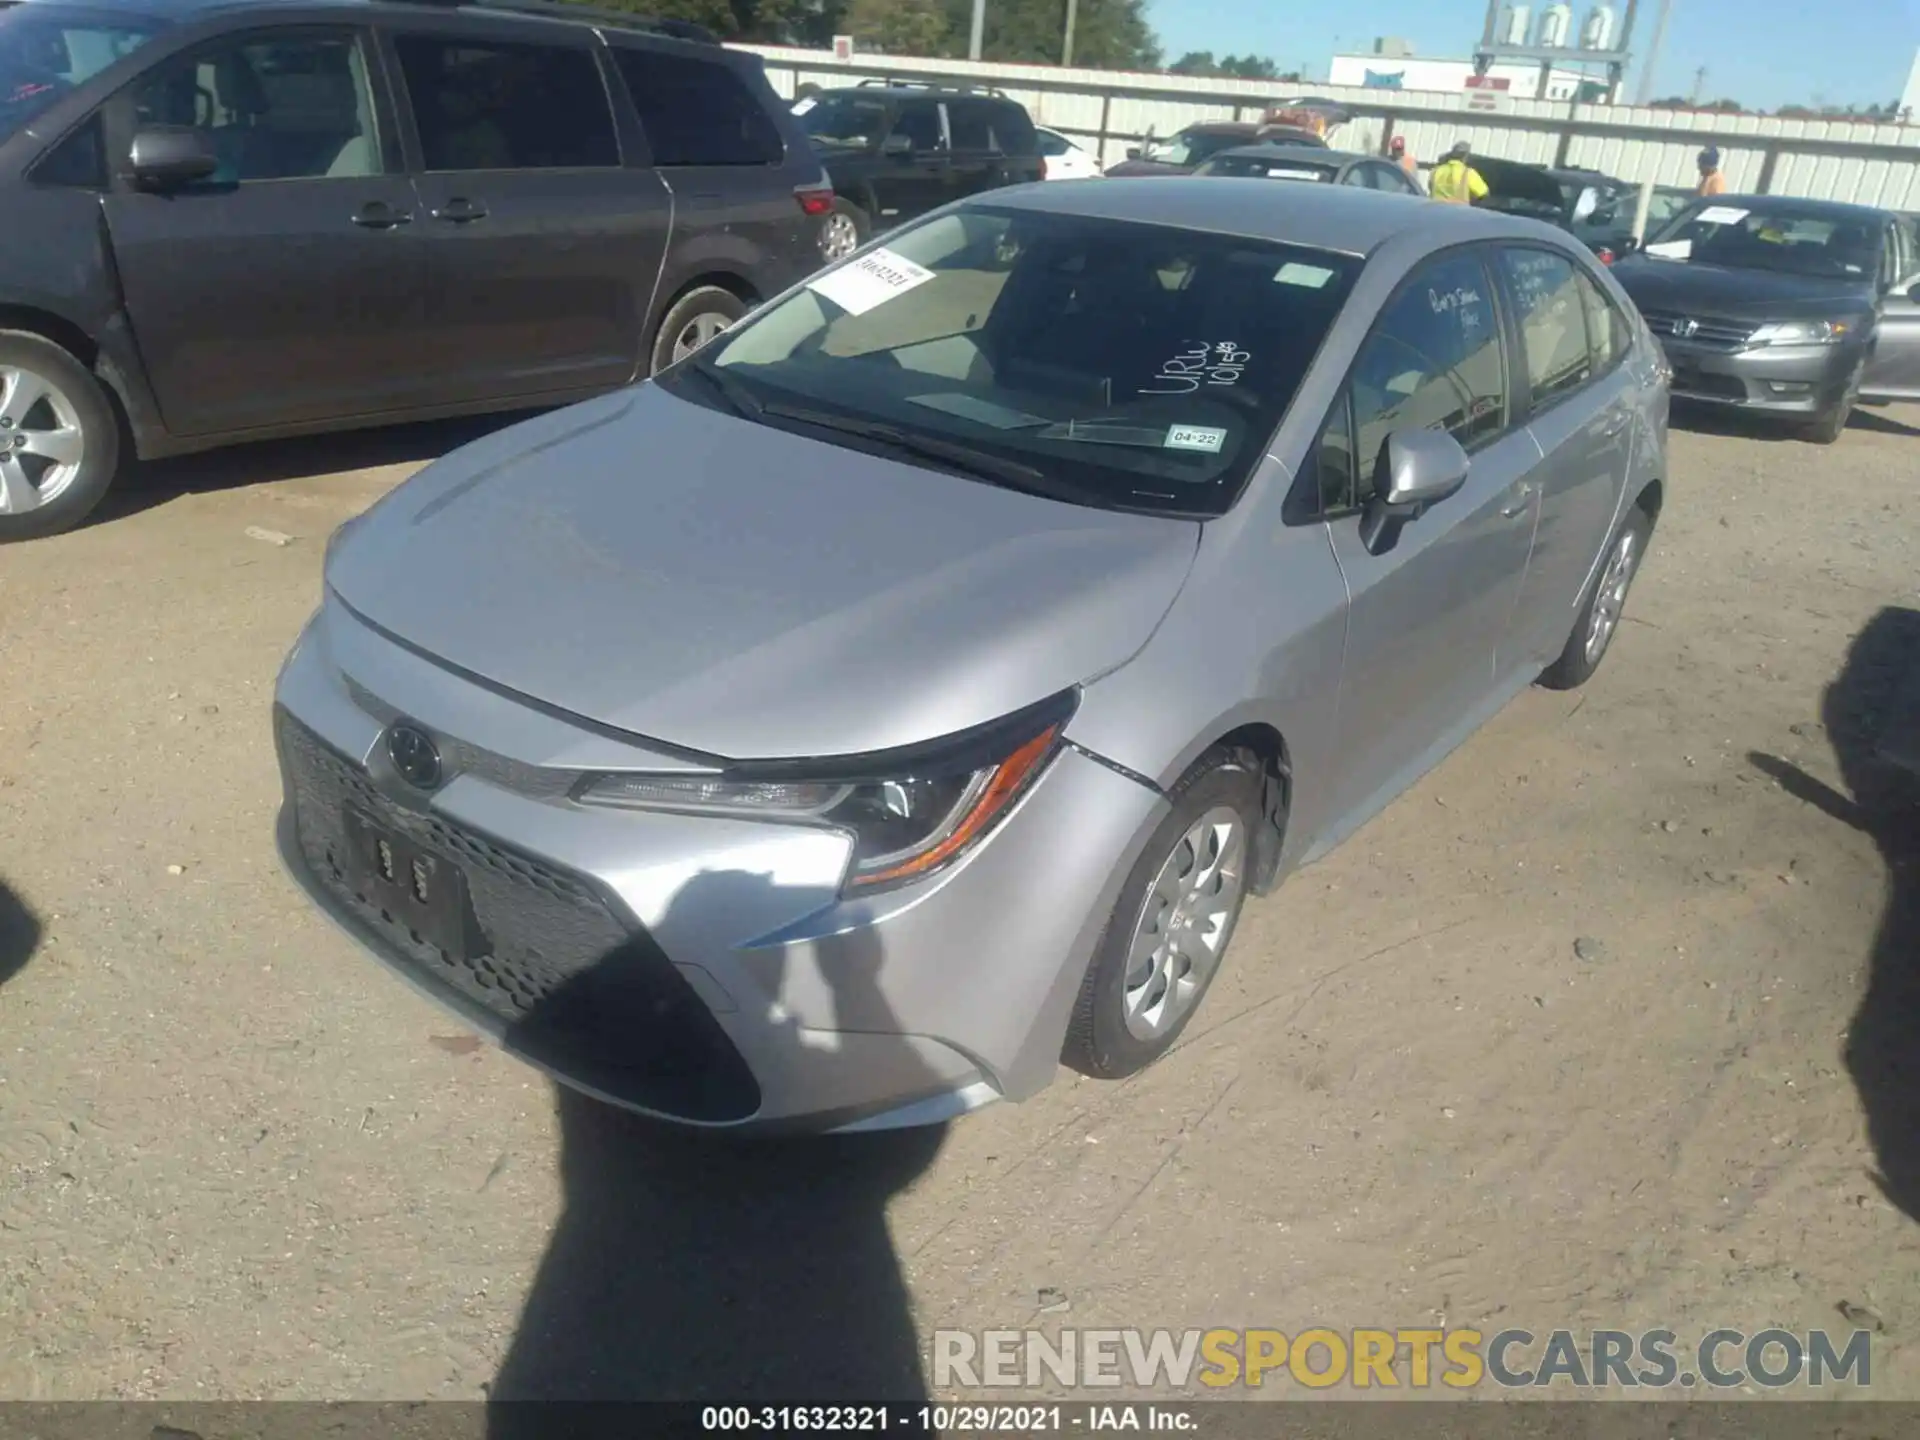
{"x":698,"y":112}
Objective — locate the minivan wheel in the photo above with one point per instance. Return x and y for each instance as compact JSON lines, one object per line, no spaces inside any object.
{"x":1172,"y":923}
{"x":59,"y":438}
{"x":1599,"y":619}
{"x":843,"y":231}
{"x":694,"y":319}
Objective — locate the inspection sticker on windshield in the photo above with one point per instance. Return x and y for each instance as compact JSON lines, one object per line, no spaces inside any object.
{"x":803,"y":106}
{"x":1310,"y":276}
{"x":1721,"y":215}
{"x":870,"y":281}
{"x":1195,"y":437}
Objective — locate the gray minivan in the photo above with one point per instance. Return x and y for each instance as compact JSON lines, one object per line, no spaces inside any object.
{"x":233,"y":220}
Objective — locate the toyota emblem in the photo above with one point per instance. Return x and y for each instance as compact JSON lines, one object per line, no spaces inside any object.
{"x":413,"y":755}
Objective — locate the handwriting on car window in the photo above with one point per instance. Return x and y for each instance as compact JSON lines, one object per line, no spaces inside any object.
{"x":1220,"y":362}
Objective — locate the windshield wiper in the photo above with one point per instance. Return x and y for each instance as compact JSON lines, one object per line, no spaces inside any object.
{"x":980,"y":464}
{"x":730,"y":390}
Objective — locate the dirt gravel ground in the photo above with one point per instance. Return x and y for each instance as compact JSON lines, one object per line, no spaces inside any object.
{"x":1561,"y":1039}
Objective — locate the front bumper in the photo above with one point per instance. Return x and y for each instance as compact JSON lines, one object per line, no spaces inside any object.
{"x":700,"y":969}
{"x":1786,"y":380}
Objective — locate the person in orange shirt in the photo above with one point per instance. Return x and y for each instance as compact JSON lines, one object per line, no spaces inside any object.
{"x":1712,"y":182}
{"x":1397,"y":150}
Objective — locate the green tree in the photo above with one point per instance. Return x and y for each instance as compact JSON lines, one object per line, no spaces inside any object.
{"x":1194,"y":62}
{"x":1107,"y":34}
{"x":900,"y":27}
{"x":1249,"y":67}
{"x":772,"y":22}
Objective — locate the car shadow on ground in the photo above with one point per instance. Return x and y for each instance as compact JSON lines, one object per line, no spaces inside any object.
{"x":698,"y":1266}
{"x":1903,"y":421}
{"x":19,"y":934}
{"x":1713,"y":420}
{"x":1873,"y":704}
{"x":150,"y":483}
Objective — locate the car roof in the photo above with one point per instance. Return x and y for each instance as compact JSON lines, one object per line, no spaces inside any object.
{"x":1345,"y":219}
{"x":1837,"y":210}
{"x":620,"y":22}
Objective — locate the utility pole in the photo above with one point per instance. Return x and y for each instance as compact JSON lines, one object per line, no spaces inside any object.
{"x":1066,"y":47}
{"x":979,"y":29}
{"x":1652,"y":62}
{"x":1699,"y":85}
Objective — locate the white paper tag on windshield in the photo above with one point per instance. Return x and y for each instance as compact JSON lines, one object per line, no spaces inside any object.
{"x":1671,"y":249}
{"x":872,"y":280}
{"x":1294,"y":273}
{"x":1195,"y":437}
{"x":1281,"y":172}
{"x":1721,"y":215}
{"x":802,"y":106}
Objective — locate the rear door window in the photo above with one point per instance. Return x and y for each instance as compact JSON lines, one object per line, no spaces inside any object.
{"x":482,"y":104}
{"x":971,"y":122}
{"x":698,"y":112}
{"x":920,"y":124}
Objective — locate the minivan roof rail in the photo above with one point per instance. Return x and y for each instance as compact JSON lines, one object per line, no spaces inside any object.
{"x":587,"y":14}
{"x":965,"y":87}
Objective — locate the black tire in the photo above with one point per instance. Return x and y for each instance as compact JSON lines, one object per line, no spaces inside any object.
{"x":1099,"y":1042}
{"x":1576,"y":665}
{"x":94,"y":417}
{"x":683,"y":316}
{"x":844,"y":213}
{"x":1831,"y":423}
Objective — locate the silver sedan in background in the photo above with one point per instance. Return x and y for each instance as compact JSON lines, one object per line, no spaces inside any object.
{"x":903,"y":694}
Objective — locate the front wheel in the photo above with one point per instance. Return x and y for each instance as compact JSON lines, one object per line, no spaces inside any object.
{"x":59,"y":438}
{"x":1830,"y":424}
{"x":1172,"y":922}
{"x":695,"y":318}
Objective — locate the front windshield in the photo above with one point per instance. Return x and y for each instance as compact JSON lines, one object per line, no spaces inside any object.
{"x":1121,"y":365}
{"x":847,"y":121}
{"x":45,"y":51}
{"x":1783,"y":238}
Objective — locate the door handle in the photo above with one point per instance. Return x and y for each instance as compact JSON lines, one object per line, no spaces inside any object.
{"x":1522,"y":502}
{"x":460,"y":212}
{"x":378,"y":215}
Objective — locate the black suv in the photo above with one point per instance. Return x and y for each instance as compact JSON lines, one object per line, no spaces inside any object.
{"x":237,"y":219}
{"x":894,"y":151}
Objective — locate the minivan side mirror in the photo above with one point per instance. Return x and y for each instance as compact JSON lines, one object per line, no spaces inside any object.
{"x":1416,"y":468}
{"x":167,"y":159}
{"x":897,"y":145}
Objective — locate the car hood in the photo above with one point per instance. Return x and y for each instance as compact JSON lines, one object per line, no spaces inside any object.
{"x":1755,"y":295}
{"x":702,"y":580}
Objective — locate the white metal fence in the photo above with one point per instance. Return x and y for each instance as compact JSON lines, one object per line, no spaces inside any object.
{"x":1106,"y":111}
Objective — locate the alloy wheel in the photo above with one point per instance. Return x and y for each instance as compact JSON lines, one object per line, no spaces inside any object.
{"x":41,"y":443}
{"x":1185,"y":923}
{"x":1611,"y":598}
{"x":697,"y":332}
{"x":839,"y":237}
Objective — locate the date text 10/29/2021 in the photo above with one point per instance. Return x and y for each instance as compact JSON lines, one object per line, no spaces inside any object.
{"x":948,"y":1419}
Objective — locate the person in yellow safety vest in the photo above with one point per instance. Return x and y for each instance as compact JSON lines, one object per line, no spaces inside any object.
{"x":1455,"y":181}
{"x":1397,"y":150}
{"x":1712,"y":182}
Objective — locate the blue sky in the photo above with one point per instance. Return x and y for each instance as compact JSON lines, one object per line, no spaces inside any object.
{"x":1763,"y":53}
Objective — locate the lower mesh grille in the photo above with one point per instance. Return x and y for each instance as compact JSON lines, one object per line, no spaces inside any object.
{"x":578,"y":988}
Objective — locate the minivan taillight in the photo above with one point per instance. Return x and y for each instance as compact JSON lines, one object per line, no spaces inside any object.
{"x":814,"y":199}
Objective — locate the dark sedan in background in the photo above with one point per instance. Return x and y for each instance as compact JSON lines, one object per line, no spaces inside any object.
{"x":1793,"y":309}
{"x":1594,"y":208}
{"x":1312,"y":164}
{"x":1186,"y":150}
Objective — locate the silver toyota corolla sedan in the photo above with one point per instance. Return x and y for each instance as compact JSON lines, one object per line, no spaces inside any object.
{"x":901,"y":696}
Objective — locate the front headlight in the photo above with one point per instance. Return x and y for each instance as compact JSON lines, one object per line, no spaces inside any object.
{"x":1802,"y":332}
{"x":910,"y":813}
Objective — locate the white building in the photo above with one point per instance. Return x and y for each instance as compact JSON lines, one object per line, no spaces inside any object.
{"x":1404,"y":72}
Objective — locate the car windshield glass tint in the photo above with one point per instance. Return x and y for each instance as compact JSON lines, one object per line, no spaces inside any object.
{"x":846,"y":120}
{"x":1773,"y":237}
{"x":46,"y":50}
{"x":1135,"y":366}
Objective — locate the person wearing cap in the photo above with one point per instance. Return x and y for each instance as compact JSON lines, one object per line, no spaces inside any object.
{"x":1712,"y":182}
{"x":1455,"y":181}
{"x":1397,"y":150}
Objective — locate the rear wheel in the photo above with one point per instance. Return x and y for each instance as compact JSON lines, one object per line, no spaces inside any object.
{"x":1172,"y":922}
{"x":1599,"y":618}
{"x":695,"y":318}
{"x":59,"y":438}
{"x":844,"y":230}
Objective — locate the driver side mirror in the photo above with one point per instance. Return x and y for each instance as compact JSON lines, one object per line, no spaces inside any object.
{"x":170,"y":159}
{"x":897,"y":145}
{"x":1416,"y":469}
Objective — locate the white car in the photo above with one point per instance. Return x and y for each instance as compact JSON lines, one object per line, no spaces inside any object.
{"x":1063,"y":159}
